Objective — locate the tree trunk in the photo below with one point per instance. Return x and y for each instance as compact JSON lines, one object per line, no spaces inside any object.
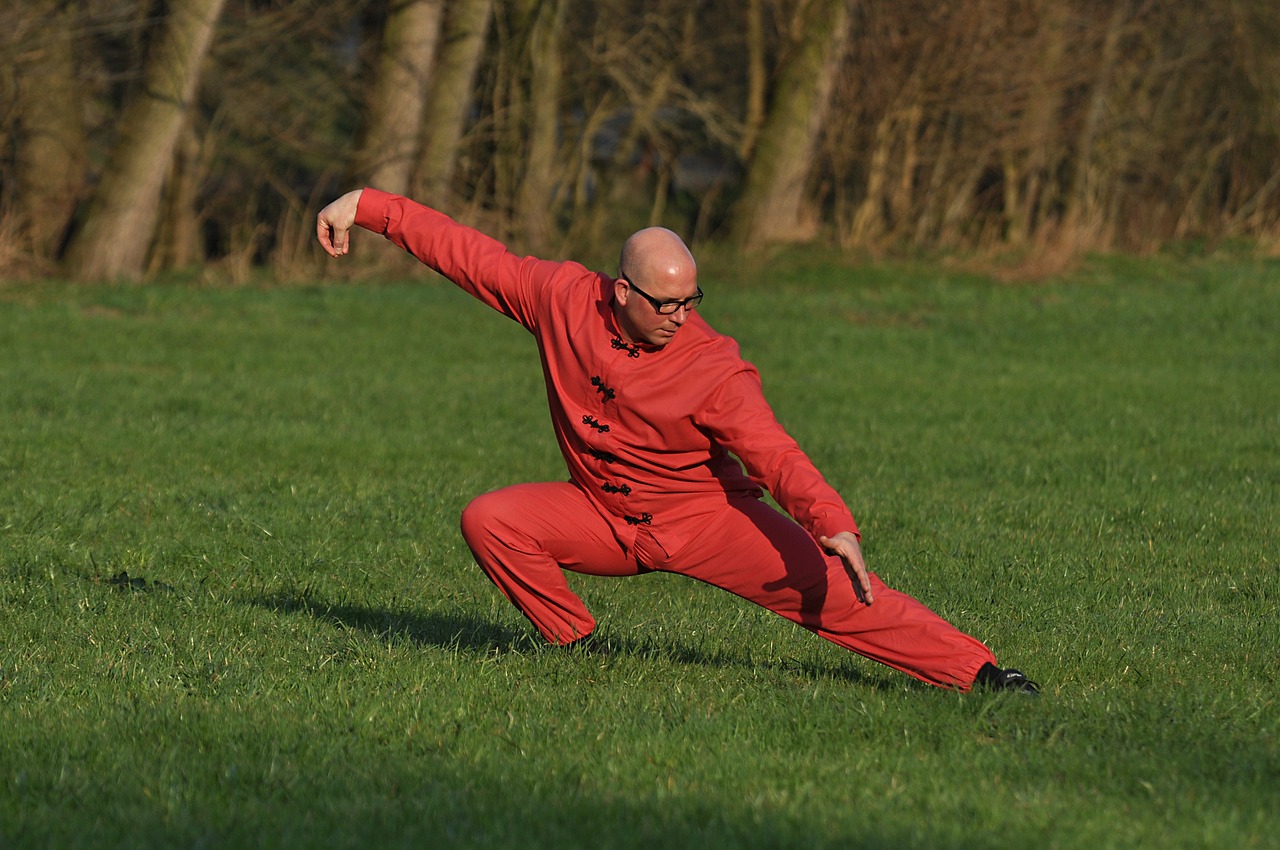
{"x":772,"y":207}
{"x":1083,"y":210}
{"x":535,"y":201}
{"x":869,"y":221}
{"x":1038,"y":158}
{"x":902,"y":200}
{"x":394,"y":120}
{"x":466,"y":26}
{"x":177,"y":243}
{"x":929,"y":220}
{"x":757,"y":80}
{"x":122,"y":216}
{"x":50,"y":150}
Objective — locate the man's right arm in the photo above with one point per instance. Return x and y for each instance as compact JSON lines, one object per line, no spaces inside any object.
{"x":480,"y":265}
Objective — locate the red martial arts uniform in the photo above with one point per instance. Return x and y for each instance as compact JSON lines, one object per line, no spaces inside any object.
{"x":649,"y":435}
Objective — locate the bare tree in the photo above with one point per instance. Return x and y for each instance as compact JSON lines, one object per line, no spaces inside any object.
{"x":177,"y":242}
{"x":536,"y":199}
{"x":773,"y":206}
{"x":1083,"y":210}
{"x":126,"y":204}
{"x":50,"y":143}
{"x":757,"y":77}
{"x":397,"y":103}
{"x":1030,"y":163}
{"x":452,"y":86}
{"x":1047,"y":127}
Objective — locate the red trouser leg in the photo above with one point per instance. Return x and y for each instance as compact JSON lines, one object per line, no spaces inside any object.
{"x":754,"y":551}
{"x":524,"y":536}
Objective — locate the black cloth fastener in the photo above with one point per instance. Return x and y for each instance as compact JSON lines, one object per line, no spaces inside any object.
{"x":607,"y":392}
{"x":632,"y":350}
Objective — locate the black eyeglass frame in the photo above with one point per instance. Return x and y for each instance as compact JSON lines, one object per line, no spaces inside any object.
{"x":667,"y":308}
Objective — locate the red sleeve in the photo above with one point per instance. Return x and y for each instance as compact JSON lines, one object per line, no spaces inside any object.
{"x":482,"y":266}
{"x":741,"y":420}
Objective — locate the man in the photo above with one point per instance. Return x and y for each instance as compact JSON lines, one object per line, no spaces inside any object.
{"x":650,"y":407}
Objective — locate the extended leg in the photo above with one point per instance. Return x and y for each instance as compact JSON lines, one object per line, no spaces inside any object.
{"x":761,"y":555}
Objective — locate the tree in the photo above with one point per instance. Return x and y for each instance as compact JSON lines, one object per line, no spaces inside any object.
{"x":452,"y":84}
{"x":535,"y":200}
{"x":1083,"y":210}
{"x":773,"y":206}
{"x":1048,"y":127}
{"x":397,"y":103}
{"x":126,"y":204}
{"x":50,"y":144}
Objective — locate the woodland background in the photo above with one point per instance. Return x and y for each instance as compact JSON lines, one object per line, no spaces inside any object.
{"x":145,"y":136}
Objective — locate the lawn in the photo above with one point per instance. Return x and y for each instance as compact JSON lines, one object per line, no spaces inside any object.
{"x":236,"y":611}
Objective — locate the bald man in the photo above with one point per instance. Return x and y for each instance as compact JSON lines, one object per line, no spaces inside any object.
{"x":656,"y":416}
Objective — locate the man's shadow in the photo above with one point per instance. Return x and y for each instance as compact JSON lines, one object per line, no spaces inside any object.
{"x":429,"y":630}
{"x":456,"y":632}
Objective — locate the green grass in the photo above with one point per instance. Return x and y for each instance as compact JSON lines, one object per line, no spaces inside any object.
{"x":1082,"y":473}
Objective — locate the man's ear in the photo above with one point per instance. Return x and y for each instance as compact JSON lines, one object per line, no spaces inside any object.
{"x":620,"y":290}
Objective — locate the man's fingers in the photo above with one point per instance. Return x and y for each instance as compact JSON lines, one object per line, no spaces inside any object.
{"x":325,"y":237}
{"x":335,"y":240}
{"x":852,"y":557}
{"x":860,"y":572}
{"x":330,"y":238}
{"x":334,"y":223}
{"x":866,"y":585}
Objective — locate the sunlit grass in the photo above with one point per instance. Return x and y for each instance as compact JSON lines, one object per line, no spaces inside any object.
{"x":1083,"y":473}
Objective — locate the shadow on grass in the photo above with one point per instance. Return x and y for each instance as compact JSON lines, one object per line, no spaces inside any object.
{"x":469,"y":634}
{"x":441,"y":631}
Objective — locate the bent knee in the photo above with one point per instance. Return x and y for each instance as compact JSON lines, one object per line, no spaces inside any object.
{"x":479,"y":515}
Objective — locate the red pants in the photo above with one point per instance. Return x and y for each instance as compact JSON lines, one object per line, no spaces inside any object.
{"x":524,"y":536}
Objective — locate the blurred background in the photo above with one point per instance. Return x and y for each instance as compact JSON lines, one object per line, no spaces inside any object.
{"x":139,"y":137}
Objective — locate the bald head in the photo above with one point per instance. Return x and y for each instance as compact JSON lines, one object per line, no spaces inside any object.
{"x":655,"y":270}
{"x":655,"y":256}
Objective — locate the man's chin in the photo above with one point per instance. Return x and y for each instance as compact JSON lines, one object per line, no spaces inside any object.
{"x":661,"y":337}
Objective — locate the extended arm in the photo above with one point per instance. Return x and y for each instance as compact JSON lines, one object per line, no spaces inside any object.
{"x":742,"y":421}
{"x":482,"y":266}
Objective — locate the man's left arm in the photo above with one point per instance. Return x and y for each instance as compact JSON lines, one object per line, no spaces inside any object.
{"x":743,"y":422}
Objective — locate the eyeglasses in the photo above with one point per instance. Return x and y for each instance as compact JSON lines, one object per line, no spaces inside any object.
{"x":666,"y":308}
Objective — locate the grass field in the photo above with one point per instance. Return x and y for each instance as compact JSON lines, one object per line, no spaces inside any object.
{"x":235,"y":609}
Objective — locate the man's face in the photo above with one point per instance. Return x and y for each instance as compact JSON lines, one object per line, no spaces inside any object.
{"x":639,"y":306}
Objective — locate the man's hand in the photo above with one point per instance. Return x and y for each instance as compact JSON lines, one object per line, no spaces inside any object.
{"x":334,"y":223}
{"x":845,"y":544}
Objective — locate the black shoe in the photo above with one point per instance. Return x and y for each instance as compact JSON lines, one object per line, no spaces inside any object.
{"x":993,"y":678}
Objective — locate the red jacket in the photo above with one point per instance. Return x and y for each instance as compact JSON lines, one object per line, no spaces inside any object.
{"x":646,"y":431}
